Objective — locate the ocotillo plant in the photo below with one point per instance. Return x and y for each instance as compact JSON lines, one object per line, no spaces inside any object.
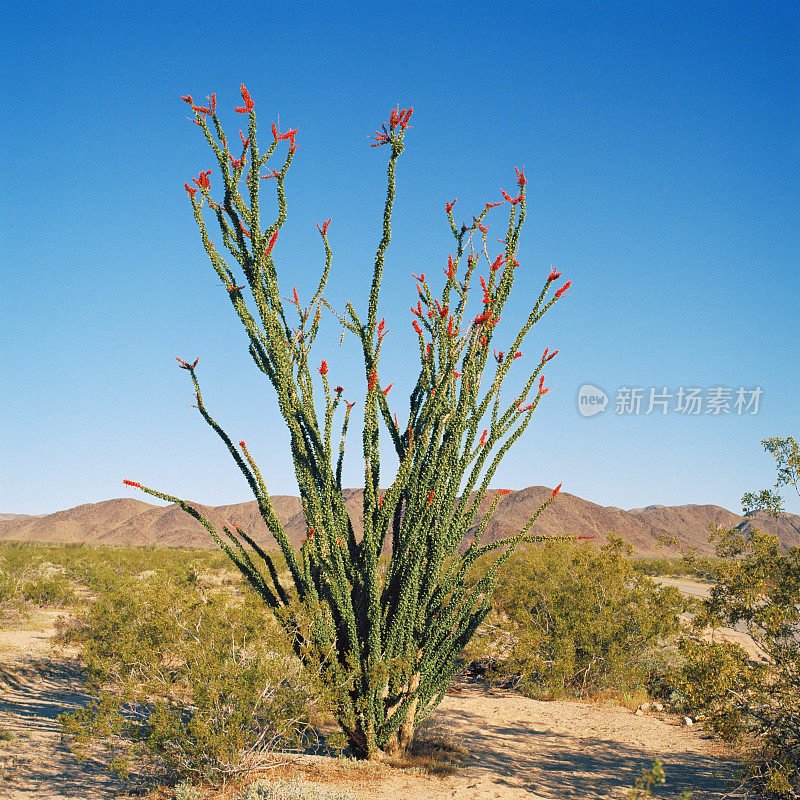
{"x":387,"y":635}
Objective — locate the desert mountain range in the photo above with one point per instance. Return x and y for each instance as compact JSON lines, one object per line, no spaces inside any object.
{"x":126,"y":521}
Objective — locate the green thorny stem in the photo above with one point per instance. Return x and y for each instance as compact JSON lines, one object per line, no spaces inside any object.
{"x":389,"y":638}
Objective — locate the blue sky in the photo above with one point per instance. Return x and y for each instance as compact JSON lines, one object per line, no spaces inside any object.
{"x":660,"y":141}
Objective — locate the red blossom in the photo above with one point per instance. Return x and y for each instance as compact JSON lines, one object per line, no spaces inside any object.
{"x":563,"y":288}
{"x":481,"y":228}
{"x":520,"y":177}
{"x":201,"y":110}
{"x":339,"y":541}
{"x":245,"y":142}
{"x":202,"y":181}
{"x":555,"y":492}
{"x":552,"y":355}
{"x":481,"y":318}
{"x":430,"y":497}
{"x":185,"y":365}
{"x":518,"y":354}
{"x":187,"y":99}
{"x":381,"y":326}
{"x":191,"y":189}
{"x":493,"y":205}
{"x":443,"y":310}
{"x":456,"y":374}
{"x":451,"y":270}
{"x":420,"y":277}
{"x":212,"y":102}
{"x":553,"y":276}
{"x":416,"y":327}
{"x":498,"y":262}
{"x":504,"y":491}
{"x":498,"y":356}
{"x":372,"y":378}
{"x":324,"y":229}
{"x":506,"y":196}
{"x":484,"y":341}
{"x":541,"y":384}
{"x":483,"y":437}
{"x":271,"y":243}
{"x":323,"y":368}
{"x":417,"y":310}
{"x":248,"y":103}
{"x":349,"y":405}
{"x":233,"y":289}
{"x":339,"y":389}
{"x":133,"y":483}
{"x":386,"y":390}
{"x":273,"y":174}
{"x":448,"y":207}
{"x":450,"y":330}
{"x":380,"y":501}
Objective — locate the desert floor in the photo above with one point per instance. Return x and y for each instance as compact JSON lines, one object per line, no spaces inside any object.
{"x":513,"y":746}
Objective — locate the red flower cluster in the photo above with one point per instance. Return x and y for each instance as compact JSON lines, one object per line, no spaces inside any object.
{"x":185,"y":365}
{"x":401,"y":118}
{"x":448,"y":207}
{"x":132,"y":483}
{"x":546,"y":358}
{"x":563,"y":288}
{"x":386,"y":390}
{"x":323,"y":368}
{"x":520,"y":177}
{"x":509,"y":199}
{"x":541,"y":384}
{"x":248,"y":103}
{"x":372,"y":378}
{"x":192,"y":191}
{"x":271,"y":243}
{"x":504,"y":491}
{"x":483,"y":437}
{"x":324,"y":229}
{"x":553,"y":276}
{"x":284,"y":136}
{"x":555,"y":492}
{"x":202,"y":181}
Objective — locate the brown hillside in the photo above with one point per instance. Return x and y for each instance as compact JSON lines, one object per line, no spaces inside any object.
{"x":132,"y":522}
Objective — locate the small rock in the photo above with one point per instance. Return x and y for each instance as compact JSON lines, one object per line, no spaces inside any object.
{"x":644,"y":707}
{"x":687,"y":722}
{"x":658,"y":707}
{"x":639,"y":712}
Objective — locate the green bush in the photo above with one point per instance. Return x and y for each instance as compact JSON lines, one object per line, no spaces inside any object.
{"x":578,"y":620}
{"x":197,"y":679}
{"x":756,"y":704}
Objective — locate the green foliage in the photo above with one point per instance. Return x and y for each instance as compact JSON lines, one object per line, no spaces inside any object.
{"x":195,"y":678}
{"x":786,"y":453}
{"x":387,"y":640}
{"x":649,"y":779}
{"x":582,"y":620}
{"x":758,"y":585}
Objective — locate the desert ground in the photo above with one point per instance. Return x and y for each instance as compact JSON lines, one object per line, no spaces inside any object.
{"x":510,"y":746}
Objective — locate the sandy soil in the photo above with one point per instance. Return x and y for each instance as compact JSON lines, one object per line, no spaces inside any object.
{"x":515,"y":747}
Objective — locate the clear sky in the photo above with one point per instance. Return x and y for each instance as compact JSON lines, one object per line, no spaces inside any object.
{"x":660,"y":141}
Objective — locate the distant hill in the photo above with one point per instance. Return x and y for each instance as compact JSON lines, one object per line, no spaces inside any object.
{"x":126,"y":521}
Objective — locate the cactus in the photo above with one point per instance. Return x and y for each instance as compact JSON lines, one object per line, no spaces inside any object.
{"x":387,"y":634}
